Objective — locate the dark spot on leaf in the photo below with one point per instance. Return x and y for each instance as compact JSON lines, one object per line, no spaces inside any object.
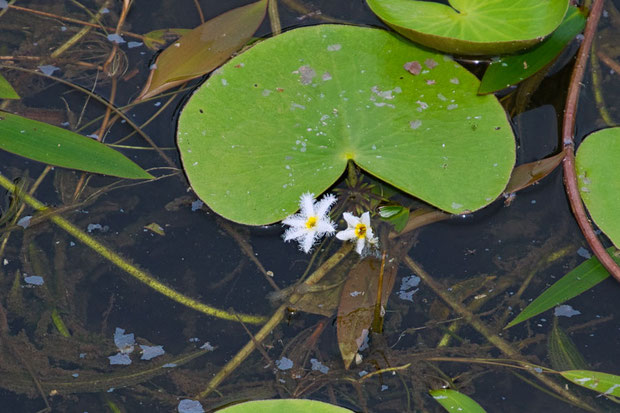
{"x":498,"y":127}
{"x":279,"y":89}
{"x":201,"y":111}
{"x":474,"y":127}
{"x":255,"y":84}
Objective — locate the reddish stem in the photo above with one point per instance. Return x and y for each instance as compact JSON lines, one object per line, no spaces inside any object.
{"x":568,"y":130}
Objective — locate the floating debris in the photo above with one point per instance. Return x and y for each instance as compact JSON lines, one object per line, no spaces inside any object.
{"x":150,"y":352}
{"x":284,"y":363}
{"x":565,"y":310}
{"x":334,"y":47}
{"x":24,"y":222}
{"x":120,"y":359}
{"x":124,"y":342}
{"x":132,"y":45}
{"x":116,"y":38}
{"x":190,"y":406}
{"x":415,"y":68}
{"x":48,"y":69}
{"x":34,"y":280}
{"x":407,"y":287}
{"x":317,"y":365}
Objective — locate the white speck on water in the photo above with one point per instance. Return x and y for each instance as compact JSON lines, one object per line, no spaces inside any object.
{"x":150,"y":352}
{"x":24,"y":222}
{"x":92,"y":227}
{"x":452,"y":106}
{"x":284,"y":363}
{"x":363,"y":373}
{"x":197,"y":205}
{"x":120,"y":359}
{"x":582,"y":252}
{"x":356,"y":293}
{"x":124,"y":342}
{"x":34,"y":280}
{"x":132,"y":45}
{"x":116,"y":38}
{"x":565,"y":310}
{"x":62,"y":28}
{"x":76,"y":375}
{"x":207,"y":346}
{"x":190,"y":406}
{"x":317,"y":365}
{"x":334,"y":47}
{"x":384,"y":387}
{"x":169,"y":365}
{"x":105,"y":10}
{"x":153,"y":66}
{"x":3,"y":4}
{"x":415,"y":124}
{"x":48,"y":69}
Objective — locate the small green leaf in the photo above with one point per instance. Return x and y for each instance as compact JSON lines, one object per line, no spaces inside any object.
{"x":155,"y":39}
{"x":396,"y":215}
{"x":204,"y":48}
{"x":604,"y":383}
{"x":473,"y":27}
{"x":453,"y":401}
{"x":585,"y":276}
{"x":284,"y":406}
{"x":57,"y":146}
{"x":261,"y":130}
{"x":6,"y":90}
{"x":599,"y":179}
{"x":510,"y":70}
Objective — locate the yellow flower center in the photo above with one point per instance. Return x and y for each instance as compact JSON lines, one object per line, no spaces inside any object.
{"x":360,"y":231}
{"x":311,"y":222}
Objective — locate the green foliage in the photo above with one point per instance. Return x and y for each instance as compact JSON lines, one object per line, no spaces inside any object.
{"x":284,"y":406}
{"x":599,"y":179}
{"x":396,"y":215}
{"x":604,"y":383}
{"x":6,"y":90}
{"x":285,"y":117}
{"x":453,"y":401}
{"x":473,"y":27}
{"x":60,"y":147}
{"x":510,"y":70}
{"x":585,"y":276}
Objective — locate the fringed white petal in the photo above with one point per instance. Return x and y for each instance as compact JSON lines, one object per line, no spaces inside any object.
{"x":324,"y":205}
{"x":325,"y":226}
{"x":307,"y":242}
{"x":306,"y":203}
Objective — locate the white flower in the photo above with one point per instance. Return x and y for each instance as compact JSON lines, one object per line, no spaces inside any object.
{"x":312,"y":221}
{"x":358,"y":231}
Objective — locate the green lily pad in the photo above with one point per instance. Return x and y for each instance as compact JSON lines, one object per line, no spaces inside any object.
{"x":473,"y":27}
{"x":6,"y":90}
{"x":286,"y":116}
{"x":599,"y":179}
{"x":284,"y":406}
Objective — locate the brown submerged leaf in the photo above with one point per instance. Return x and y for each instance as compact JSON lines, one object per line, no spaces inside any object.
{"x":530,"y":173}
{"x":204,"y":48}
{"x":357,"y":304}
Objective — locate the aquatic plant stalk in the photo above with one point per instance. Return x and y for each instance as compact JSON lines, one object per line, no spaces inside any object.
{"x":275,"y":319}
{"x":128,"y":267}
{"x":568,"y":131}
{"x":504,"y":346}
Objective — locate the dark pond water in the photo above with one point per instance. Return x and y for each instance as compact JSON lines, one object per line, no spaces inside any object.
{"x":161,"y":228}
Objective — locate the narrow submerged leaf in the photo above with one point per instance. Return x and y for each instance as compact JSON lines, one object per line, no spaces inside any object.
{"x":284,"y":406}
{"x":604,"y":383}
{"x":585,"y":276}
{"x":357,"y":305}
{"x":454,"y":401}
{"x":472,"y":27}
{"x":60,"y":147}
{"x":6,"y":90}
{"x":512,"y":69}
{"x":562,"y":352}
{"x":599,"y":179}
{"x":398,"y":216}
{"x":530,"y":173}
{"x":204,"y":48}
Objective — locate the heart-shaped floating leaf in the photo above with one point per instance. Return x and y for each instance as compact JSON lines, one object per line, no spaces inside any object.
{"x":56,"y":146}
{"x":284,"y":406}
{"x":599,"y":179}
{"x":473,"y":27}
{"x":510,"y":70}
{"x":286,"y":116}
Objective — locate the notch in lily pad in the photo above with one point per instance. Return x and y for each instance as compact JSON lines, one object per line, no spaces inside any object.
{"x":263,"y":130}
{"x":473,"y":27}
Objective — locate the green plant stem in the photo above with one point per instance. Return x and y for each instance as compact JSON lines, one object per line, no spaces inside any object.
{"x":275,"y":319}
{"x":128,"y":267}
{"x":504,"y":346}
